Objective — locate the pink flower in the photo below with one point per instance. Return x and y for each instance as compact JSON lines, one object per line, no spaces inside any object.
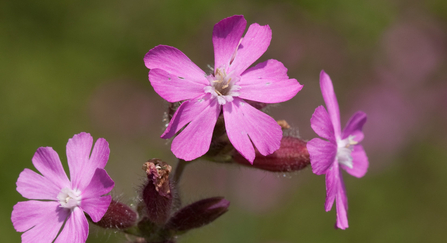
{"x":64,"y":200}
{"x":176,"y":78}
{"x":342,"y":150}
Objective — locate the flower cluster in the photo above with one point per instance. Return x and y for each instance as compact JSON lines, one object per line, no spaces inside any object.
{"x":217,"y":116}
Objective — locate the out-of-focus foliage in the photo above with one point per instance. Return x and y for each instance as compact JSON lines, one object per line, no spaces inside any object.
{"x":72,"y":66}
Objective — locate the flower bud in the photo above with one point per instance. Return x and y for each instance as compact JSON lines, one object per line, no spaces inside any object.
{"x":118,"y":216}
{"x":198,"y":214}
{"x":157,"y":194}
{"x":291,"y":156}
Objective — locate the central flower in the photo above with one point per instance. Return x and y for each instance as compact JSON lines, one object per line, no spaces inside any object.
{"x":206,"y":97}
{"x":222,"y":86}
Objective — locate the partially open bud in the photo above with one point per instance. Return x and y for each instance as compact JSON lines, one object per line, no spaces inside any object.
{"x":198,"y":214}
{"x":118,"y":216}
{"x":291,"y":156}
{"x":157,"y":194}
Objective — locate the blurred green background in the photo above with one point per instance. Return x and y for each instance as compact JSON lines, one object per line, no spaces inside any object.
{"x":72,"y":66}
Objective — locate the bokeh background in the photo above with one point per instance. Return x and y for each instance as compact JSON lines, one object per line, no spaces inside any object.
{"x":72,"y":66}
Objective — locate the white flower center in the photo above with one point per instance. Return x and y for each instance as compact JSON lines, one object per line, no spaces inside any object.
{"x":69,"y":198}
{"x":222,"y":86}
{"x":344,"y":151}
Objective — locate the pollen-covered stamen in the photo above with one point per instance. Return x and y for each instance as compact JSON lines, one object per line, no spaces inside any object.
{"x":344,"y":151}
{"x":69,"y":198}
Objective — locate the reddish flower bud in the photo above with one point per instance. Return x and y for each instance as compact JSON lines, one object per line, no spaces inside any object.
{"x":198,"y":214}
{"x":118,"y":216}
{"x":291,"y":156}
{"x":157,"y":194}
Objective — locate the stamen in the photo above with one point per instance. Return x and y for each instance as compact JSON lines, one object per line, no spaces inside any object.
{"x":226,"y":85}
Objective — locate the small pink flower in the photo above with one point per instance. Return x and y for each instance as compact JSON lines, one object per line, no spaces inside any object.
{"x":64,"y":201}
{"x":342,"y":150}
{"x":176,"y":78}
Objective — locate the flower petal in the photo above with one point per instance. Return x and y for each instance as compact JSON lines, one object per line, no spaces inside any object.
{"x":100,"y":154}
{"x":175,"y":62}
{"x":332,"y":177}
{"x":47,"y":162}
{"x":78,"y":153}
{"x":268,"y":82}
{"x":96,"y":207}
{"x":341,"y":205}
{"x":322,"y":155}
{"x":40,"y":220}
{"x":354,"y":126}
{"x":321,"y":124}
{"x":327,"y":89}
{"x":185,"y":113}
{"x":31,"y":185}
{"x":253,"y":45}
{"x":173,"y":88}
{"x":244,"y":123}
{"x":226,"y":36}
{"x":92,"y":202}
{"x":100,"y":184}
{"x":359,"y":162}
{"x":194,"y":141}
{"x":75,"y":229}
{"x":270,"y":69}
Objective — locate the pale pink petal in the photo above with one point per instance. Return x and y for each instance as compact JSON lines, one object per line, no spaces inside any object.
{"x":194,"y":141}
{"x":96,"y":207}
{"x":321,"y":124}
{"x":226,"y":36}
{"x":47,"y":162}
{"x":327,"y":89}
{"x":173,"y":88}
{"x":341,"y":205}
{"x":322,"y":155}
{"x":253,"y":45}
{"x":175,"y":62}
{"x":244,"y":123}
{"x":100,"y":154}
{"x":267,"y":82}
{"x":31,"y":185}
{"x":40,"y":220}
{"x":78,"y":153}
{"x":354,"y":126}
{"x":75,"y":229}
{"x":185,"y":113}
{"x":359,"y":162}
